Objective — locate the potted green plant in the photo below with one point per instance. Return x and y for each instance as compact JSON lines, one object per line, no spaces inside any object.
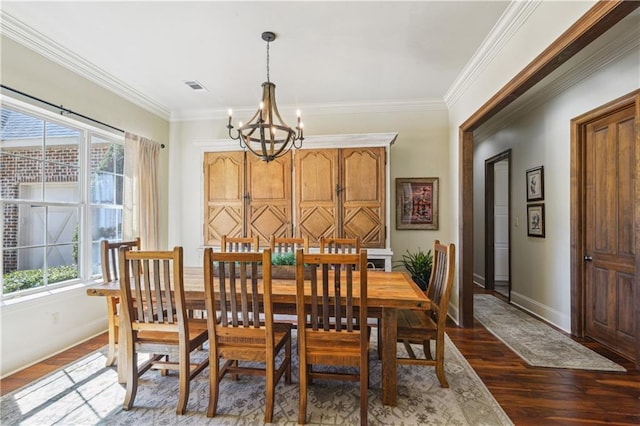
{"x":418,"y":264}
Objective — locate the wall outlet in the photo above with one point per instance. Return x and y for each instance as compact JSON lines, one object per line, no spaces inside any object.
{"x":516,"y":221}
{"x":55,"y":317}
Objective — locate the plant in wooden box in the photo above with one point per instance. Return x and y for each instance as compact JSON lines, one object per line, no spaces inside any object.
{"x":418,"y":264}
{"x":283,"y":265}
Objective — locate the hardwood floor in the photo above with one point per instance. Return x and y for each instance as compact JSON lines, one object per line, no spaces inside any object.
{"x":26,"y":376}
{"x":529,"y":396}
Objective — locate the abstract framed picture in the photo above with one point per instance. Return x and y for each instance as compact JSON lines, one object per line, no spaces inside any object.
{"x":535,"y":184}
{"x":417,"y":203}
{"x":535,"y":220}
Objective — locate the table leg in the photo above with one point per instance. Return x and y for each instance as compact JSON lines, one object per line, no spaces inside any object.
{"x":389,"y":368}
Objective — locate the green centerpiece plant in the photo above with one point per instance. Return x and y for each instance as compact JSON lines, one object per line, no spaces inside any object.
{"x":286,"y":258}
{"x":418,"y":264}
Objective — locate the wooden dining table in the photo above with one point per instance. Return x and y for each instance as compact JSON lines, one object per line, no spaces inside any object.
{"x":386,"y":292}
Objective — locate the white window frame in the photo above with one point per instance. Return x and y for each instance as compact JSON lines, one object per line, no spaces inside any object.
{"x":85,"y":240}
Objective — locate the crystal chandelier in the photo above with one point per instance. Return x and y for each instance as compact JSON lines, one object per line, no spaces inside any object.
{"x":266,"y":134}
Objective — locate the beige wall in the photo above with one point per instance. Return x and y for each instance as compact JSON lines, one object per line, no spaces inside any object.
{"x":420,"y":150}
{"x":28,"y":330}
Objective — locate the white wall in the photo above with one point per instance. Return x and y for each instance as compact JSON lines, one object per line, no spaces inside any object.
{"x":420,"y":150}
{"x":539,"y":134}
{"x":45,"y":324}
{"x":542,"y":26}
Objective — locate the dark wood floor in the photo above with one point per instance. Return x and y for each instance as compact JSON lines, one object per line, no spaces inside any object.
{"x":529,"y":396}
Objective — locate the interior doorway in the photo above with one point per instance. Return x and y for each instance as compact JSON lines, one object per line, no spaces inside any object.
{"x":497,"y":219}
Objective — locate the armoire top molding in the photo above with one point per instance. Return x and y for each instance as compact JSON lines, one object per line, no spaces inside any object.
{"x":311,"y":142}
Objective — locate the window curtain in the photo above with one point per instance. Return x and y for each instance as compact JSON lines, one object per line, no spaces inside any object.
{"x":140,"y":215}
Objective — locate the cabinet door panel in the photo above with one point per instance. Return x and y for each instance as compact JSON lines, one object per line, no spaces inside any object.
{"x":224,"y":190}
{"x":269,"y":189}
{"x":316,"y":180}
{"x":363,"y":195}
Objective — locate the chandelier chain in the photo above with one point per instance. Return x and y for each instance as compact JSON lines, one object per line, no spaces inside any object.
{"x":268,"y":80}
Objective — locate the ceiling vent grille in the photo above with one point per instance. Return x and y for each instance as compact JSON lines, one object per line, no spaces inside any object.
{"x":195,"y":85}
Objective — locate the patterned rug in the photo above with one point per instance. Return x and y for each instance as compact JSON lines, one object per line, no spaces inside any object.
{"x":535,"y":342}
{"x":86,"y":392}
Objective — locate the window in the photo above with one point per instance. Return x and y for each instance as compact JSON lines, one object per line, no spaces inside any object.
{"x":51,"y":169}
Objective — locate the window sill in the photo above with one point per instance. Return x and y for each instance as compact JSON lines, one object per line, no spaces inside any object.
{"x":45,"y":296}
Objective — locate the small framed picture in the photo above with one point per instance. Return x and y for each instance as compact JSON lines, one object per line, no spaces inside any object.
{"x":417,"y":203}
{"x":535,"y":184}
{"x":535,"y":220}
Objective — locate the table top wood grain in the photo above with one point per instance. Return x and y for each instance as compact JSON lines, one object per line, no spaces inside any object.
{"x":384,"y":289}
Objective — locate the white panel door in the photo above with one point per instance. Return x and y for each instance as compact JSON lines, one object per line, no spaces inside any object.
{"x":501,"y":220}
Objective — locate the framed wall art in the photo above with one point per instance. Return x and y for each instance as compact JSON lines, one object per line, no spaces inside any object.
{"x":417,"y":203}
{"x":535,"y":184}
{"x":535,"y":220}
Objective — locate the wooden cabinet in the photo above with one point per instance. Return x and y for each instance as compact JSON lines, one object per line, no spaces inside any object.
{"x":245,"y":196}
{"x":339,"y":187}
{"x":341,"y":193}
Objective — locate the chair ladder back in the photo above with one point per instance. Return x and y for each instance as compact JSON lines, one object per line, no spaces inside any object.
{"x":439,"y":289}
{"x":280,"y":245}
{"x":339,"y":245}
{"x":150,"y":275}
{"x":332,"y":300}
{"x":109,"y":257}
{"x":239,"y":292}
{"x":239,"y":244}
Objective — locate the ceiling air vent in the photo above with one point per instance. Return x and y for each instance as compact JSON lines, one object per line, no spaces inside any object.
{"x":195,"y":85}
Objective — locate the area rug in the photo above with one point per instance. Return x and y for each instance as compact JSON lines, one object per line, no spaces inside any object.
{"x":86,"y":392}
{"x":535,"y":342}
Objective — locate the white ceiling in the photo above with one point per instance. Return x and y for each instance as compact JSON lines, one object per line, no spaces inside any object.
{"x":325,"y":54}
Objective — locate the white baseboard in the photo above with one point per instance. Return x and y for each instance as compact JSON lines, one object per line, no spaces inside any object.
{"x":543,"y":312}
{"x":478,"y":279}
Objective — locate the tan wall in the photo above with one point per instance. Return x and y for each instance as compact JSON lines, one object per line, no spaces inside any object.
{"x":71,"y":316}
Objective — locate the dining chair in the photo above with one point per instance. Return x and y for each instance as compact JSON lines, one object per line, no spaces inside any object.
{"x":420,"y":327}
{"x":109,"y":263}
{"x":239,"y":244}
{"x":157,"y":323}
{"x":241,"y":325}
{"x":339,"y":245}
{"x":328,"y":333}
{"x":281,"y":245}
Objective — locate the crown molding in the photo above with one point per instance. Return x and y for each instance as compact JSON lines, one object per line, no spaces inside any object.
{"x":509,"y":23}
{"x":319,"y":109}
{"x":616,"y":49}
{"x":39,"y":43}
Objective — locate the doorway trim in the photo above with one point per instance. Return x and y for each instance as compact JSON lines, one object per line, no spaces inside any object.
{"x":489,"y":220}
{"x":577,"y":223}
{"x":596,"y":21}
